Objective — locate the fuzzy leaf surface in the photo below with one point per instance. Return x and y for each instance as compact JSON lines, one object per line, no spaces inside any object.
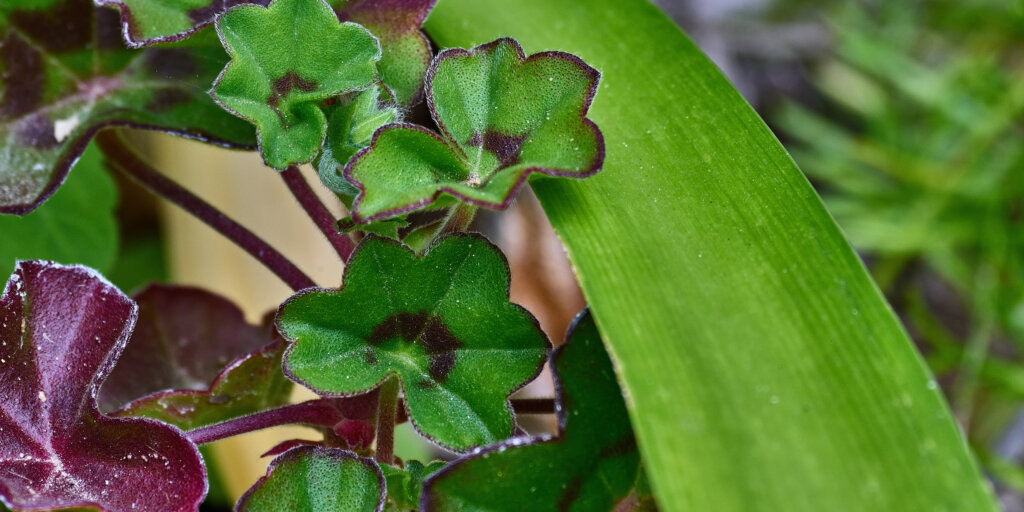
{"x":441,"y":322}
{"x":396,"y":23}
{"x":76,"y":225}
{"x":406,"y":51}
{"x":61,"y":331}
{"x":590,"y":466}
{"x":350,"y":127}
{"x":64,"y":74}
{"x":285,"y":60}
{"x":502,"y":117}
{"x":320,"y":479}
{"x":193,"y":360}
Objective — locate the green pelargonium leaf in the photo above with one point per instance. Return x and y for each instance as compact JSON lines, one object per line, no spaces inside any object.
{"x":350,"y":127}
{"x":502,"y":117}
{"x":395,"y":22}
{"x":441,"y":322}
{"x":406,"y":50}
{"x":65,"y":74}
{"x":286,"y":59}
{"x":320,"y":479}
{"x":591,"y":466}
{"x":404,"y":484}
{"x":82,"y":208}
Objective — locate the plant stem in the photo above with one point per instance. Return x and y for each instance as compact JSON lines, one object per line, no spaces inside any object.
{"x":316,"y":210}
{"x":125,"y":160}
{"x":325,"y":412}
{"x":459,"y":218}
{"x":387,"y":409}
{"x":320,"y":413}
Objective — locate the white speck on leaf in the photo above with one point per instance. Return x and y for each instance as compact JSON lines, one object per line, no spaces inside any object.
{"x":63,"y":127}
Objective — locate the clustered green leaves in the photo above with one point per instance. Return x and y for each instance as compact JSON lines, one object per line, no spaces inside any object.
{"x":285,"y":59}
{"x":330,"y":83}
{"x":501,"y":117}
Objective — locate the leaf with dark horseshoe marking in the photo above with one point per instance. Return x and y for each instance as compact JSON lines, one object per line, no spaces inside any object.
{"x":441,"y":322}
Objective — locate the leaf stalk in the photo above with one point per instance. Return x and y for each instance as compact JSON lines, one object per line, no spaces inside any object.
{"x":125,"y":160}
{"x":318,"y":212}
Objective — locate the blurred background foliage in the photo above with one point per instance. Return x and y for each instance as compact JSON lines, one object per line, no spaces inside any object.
{"x":907,"y":116}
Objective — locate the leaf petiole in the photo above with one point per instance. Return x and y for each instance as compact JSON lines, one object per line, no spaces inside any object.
{"x":123,"y":159}
{"x":387,"y":409}
{"x":321,"y":413}
{"x":319,"y":213}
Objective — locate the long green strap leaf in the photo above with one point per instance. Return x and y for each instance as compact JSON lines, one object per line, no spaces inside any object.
{"x":763,"y":369}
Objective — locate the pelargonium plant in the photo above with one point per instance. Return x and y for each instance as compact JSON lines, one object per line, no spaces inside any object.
{"x":105,"y":398}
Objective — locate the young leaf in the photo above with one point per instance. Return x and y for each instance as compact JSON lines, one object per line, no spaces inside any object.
{"x":186,"y":338}
{"x":406,"y":51}
{"x":286,"y":59}
{"x":590,"y":466}
{"x":441,"y":322}
{"x":350,"y":127}
{"x":502,"y":117}
{"x":396,"y":23}
{"x":66,"y":74}
{"x":320,"y":479}
{"x":404,"y":485}
{"x":61,"y":331}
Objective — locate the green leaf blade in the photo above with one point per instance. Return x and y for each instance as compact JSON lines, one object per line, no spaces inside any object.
{"x":67,"y":75}
{"x":763,"y":368}
{"x":314,"y":478}
{"x":421,"y":167}
{"x":592,"y":465}
{"x":406,"y":51}
{"x":286,"y":58}
{"x":502,"y":117}
{"x":441,"y":322}
{"x":76,"y":226}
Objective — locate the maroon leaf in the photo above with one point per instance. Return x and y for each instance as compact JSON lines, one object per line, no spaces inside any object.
{"x":184,"y":338}
{"x":61,"y":331}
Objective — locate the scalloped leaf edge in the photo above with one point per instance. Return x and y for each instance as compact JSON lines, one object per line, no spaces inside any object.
{"x":525,"y":174}
{"x":408,"y":413}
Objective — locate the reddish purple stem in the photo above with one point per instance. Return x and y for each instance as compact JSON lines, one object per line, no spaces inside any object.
{"x":124,"y":159}
{"x":316,"y":210}
{"x":324,"y":412}
{"x":321,"y":413}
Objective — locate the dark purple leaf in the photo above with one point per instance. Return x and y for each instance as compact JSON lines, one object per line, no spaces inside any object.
{"x":61,"y":331}
{"x":184,"y":339}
